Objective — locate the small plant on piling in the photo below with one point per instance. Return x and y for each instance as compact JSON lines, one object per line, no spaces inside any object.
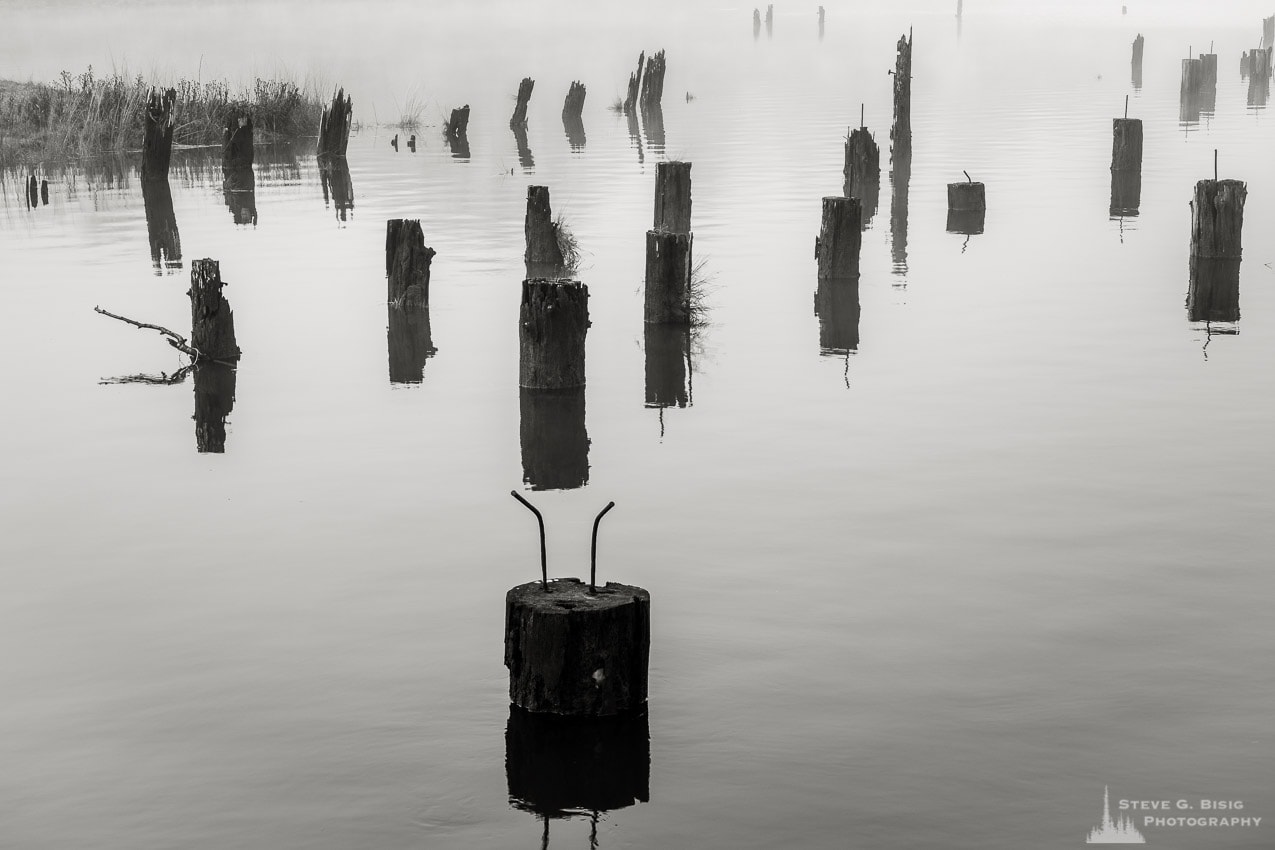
{"x":568,"y":245}
{"x":698,"y":290}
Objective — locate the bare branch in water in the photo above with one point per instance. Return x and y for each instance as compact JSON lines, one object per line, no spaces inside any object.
{"x":177,"y":341}
{"x":162,"y":379}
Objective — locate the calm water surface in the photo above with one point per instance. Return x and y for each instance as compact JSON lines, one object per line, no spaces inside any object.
{"x":937,"y":591}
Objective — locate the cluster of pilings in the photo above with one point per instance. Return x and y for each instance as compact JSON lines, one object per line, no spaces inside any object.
{"x":1198,"y":90}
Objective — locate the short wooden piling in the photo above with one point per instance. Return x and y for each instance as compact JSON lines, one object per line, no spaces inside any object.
{"x":236,"y":150}
{"x":1208,"y":70}
{"x":673,"y":197}
{"x":574,"y":652}
{"x":553,"y":319}
{"x":212,"y":323}
{"x":334,"y":126}
{"x":840,"y":235}
{"x":573,"y":105}
{"x":1126,"y":144}
{"x":1217,"y":218}
{"x":33,"y":192}
{"x":458,"y":124}
{"x":553,"y":439}
{"x":901,"y":131}
{"x":635,"y":86}
{"x":158,"y":118}
{"x":407,"y":262}
{"x":668,"y":277}
{"x":653,"y":82}
{"x":1213,"y":295}
{"x":543,"y":254}
{"x":519,"y":118}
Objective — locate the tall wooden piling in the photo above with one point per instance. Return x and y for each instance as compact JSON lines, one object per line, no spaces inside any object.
{"x":862,"y":171}
{"x":673,"y":197}
{"x":837,"y":247}
{"x":668,"y":277}
{"x":407,"y":262}
{"x":553,"y":319}
{"x":901,"y":131}
{"x":212,"y":323}
{"x":519,"y":118}
{"x":1217,"y":218}
{"x":653,"y":82}
{"x":1137,"y":61}
{"x":158,"y":118}
{"x":635,"y":86}
{"x":334,"y":125}
{"x":553,"y":439}
{"x":574,"y":652}
{"x":543,"y":254}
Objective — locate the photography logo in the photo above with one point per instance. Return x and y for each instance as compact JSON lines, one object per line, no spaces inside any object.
{"x":1114,"y":831}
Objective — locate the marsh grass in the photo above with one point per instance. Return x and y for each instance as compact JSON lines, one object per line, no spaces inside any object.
{"x":409,"y":114}
{"x":85,"y":115}
{"x":698,"y":290}
{"x":567,"y":243}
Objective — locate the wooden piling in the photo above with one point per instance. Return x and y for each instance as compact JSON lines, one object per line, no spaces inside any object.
{"x":837,"y":247}
{"x":44,"y":193}
{"x":334,"y":126}
{"x":673,"y":197}
{"x":1208,"y":70}
{"x":553,"y":319}
{"x":653,"y":82}
{"x":1137,"y":61}
{"x":543,"y":254}
{"x":577,"y":653}
{"x":573,"y":105}
{"x":553,"y":439}
{"x":212,"y":323}
{"x":410,"y":342}
{"x":635,"y":86}
{"x":407,"y":262}
{"x":411,"y":143}
{"x":1217,"y":218}
{"x":770,"y":21}
{"x":821,"y":20}
{"x":1268,"y":31}
{"x":158,"y":118}
{"x":901,"y":131}
{"x":1192,"y":77}
{"x":1259,"y":62}
{"x":33,"y":192}
{"x":1213,"y":295}
{"x":668,"y":277}
{"x":455,"y":130}
{"x":862,"y":171}
{"x":236,"y":150}
{"x":756,"y":24}
{"x":214,"y":401}
{"x":519,"y":118}
{"x":1126,"y":144}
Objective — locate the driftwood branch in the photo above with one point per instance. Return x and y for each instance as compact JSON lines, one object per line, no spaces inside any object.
{"x":162,"y":379}
{"x":177,"y":341}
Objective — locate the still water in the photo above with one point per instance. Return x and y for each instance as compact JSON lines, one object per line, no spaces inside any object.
{"x":931,"y":580}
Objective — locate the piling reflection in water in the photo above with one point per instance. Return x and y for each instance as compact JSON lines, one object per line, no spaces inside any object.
{"x":161,"y":225}
{"x":555,"y":444}
{"x":214,"y":400}
{"x":1259,"y":90}
{"x":837,"y":306}
{"x":635,"y":134}
{"x":1214,"y":294}
{"x":1126,"y":193}
{"x":334,"y":174}
{"x":558,"y":766}
{"x":573,"y":126}
{"x":239,"y":188}
{"x":1189,"y":107}
{"x":525,"y":159}
{"x":668,"y":366}
{"x":900,"y":176}
{"x":653,"y":127}
{"x":410,"y":343}
{"x":968,"y":222}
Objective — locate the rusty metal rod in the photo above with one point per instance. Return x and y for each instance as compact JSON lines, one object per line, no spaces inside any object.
{"x":593,"y":555}
{"x":544,"y":565}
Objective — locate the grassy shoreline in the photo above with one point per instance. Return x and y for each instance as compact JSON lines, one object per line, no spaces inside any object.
{"x":84,"y":115}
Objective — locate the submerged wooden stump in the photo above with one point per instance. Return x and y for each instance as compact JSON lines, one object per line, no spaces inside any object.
{"x":1126,"y":144}
{"x":519,"y":118}
{"x":635,"y":86}
{"x":901,"y":131}
{"x":1217,"y":218}
{"x":559,"y":766}
{"x":214,"y":401}
{"x":1214,"y":293}
{"x":840,"y":235}
{"x":158,"y":118}
{"x":543,"y":255}
{"x":407,"y":262}
{"x":577,"y":653}
{"x":673,"y":197}
{"x":553,"y":439}
{"x":212,"y":323}
{"x":653,"y":82}
{"x":553,"y":319}
{"x":334,"y":126}
{"x":668,"y":277}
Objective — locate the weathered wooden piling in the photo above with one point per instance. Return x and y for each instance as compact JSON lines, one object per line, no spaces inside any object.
{"x":411,"y":143}
{"x":558,"y":766}
{"x":840,"y":235}
{"x":1213,"y":295}
{"x":837,"y":307}
{"x":1217,"y":218}
{"x":214,"y":402}
{"x":862,"y":171}
{"x":673,"y":197}
{"x":1126,"y":144}
{"x":756,"y":24}
{"x":519,"y":118}
{"x":1268,"y":31}
{"x":553,"y":319}
{"x":334,"y":126}
{"x":1136,"y":62}
{"x":410,"y":343}
{"x":543,"y":254}
{"x":158,"y":118}
{"x":653,"y":82}
{"x":553,"y":439}
{"x":635,"y":86}
{"x":407,"y":262}
{"x":574,"y":652}
{"x":44,"y":193}
{"x":1259,"y":62}
{"x":821,"y":20}
{"x":668,"y":277}
{"x":1208,"y":70}
{"x":212,"y":323}
{"x":901,"y":131}
{"x":455,"y":130}
{"x":236,"y":150}
{"x":33,"y":192}
{"x":770,"y":21}
{"x":1192,"y":77}
{"x":161,"y":225}
{"x":573,"y":105}
{"x":668,"y":360}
